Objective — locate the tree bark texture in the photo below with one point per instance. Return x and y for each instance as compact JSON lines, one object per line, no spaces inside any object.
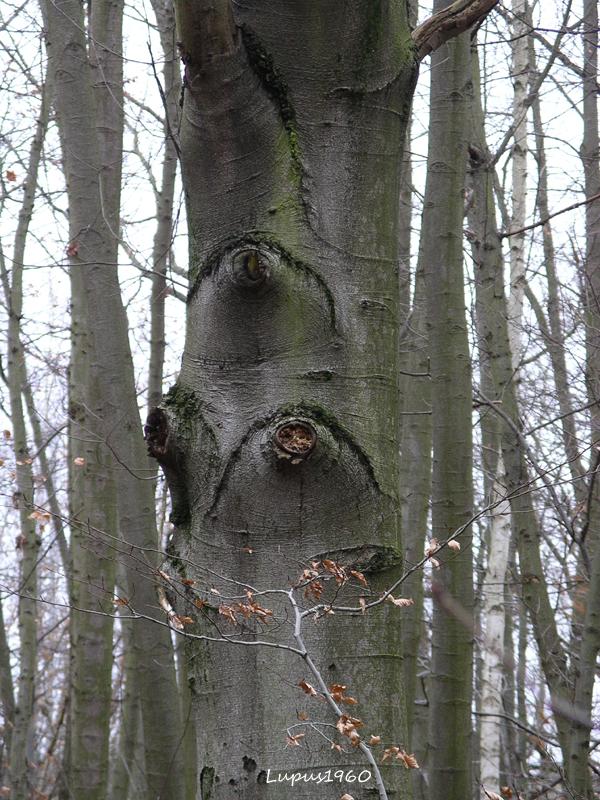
{"x":493,"y":612}
{"x":161,"y":248}
{"x":89,"y":109}
{"x":520,"y":76}
{"x":585,"y":667}
{"x":450,"y":757}
{"x":292,"y":136}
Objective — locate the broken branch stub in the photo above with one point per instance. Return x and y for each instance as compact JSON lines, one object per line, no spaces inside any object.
{"x":295,"y":440}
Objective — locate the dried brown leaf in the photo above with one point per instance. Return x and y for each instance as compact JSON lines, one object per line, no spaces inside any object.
{"x":307,"y":688}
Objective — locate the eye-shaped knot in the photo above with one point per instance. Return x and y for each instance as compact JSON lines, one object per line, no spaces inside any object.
{"x":250,"y":267}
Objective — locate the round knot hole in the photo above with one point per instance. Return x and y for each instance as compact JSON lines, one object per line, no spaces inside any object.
{"x":250,"y":267}
{"x":296,"y":439}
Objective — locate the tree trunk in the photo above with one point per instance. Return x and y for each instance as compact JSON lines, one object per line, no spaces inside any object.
{"x":7,"y":698}
{"x":589,"y":595}
{"x":450,"y":759}
{"x":493,"y":332}
{"x":499,"y":533}
{"x":283,"y":427}
{"x":91,"y":132}
{"x":415,"y":494}
{"x":161,"y":247}
{"x":519,"y":71}
{"x":27,"y":541}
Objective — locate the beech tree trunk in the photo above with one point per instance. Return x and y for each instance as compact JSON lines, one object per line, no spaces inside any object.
{"x":292,"y":135}
{"x":589,"y":590}
{"x":89,"y":118}
{"x":450,"y":759}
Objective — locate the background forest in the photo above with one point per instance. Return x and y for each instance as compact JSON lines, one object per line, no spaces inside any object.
{"x":488,"y":466}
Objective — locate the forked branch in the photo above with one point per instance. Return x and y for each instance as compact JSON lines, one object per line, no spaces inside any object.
{"x":448,"y":23}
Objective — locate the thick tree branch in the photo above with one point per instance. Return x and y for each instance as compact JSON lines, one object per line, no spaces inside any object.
{"x":448,"y":23}
{"x":206,"y":29}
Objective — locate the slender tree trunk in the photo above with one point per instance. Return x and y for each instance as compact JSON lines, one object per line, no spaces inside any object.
{"x":585,"y":668}
{"x":92,"y":162}
{"x":415,"y":460}
{"x":493,"y":613}
{"x":450,"y":761}
{"x":52,"y":503}
{"x":21,"y":755}
{"x":493,"y":330}
{"x":161,"y":248}
{"x":127,"y":771}
{"x":7,"y":698}
{"x":499,"y":534}
{"x":554,"y":334}
{"x":415,"y":494}
{"x":415,"y":485}
{"x":520,"y":76}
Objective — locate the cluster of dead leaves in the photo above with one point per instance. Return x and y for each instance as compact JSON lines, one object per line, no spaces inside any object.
{"x":248,"y":610}
{"x":408,"y":759}
{"x":337,"y":691}
{"x":324,"y":568}
{"x":348,"y":727}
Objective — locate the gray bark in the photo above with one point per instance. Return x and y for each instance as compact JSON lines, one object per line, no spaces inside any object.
{"x":292,"y":136}
{"x":585,"y":667}
{"x":161,"y":248}
{"x":415,"y":494}
{"x":450,"y":758}
{"x":92,"y":164}
{"x":498,"y":534}
{"x":7,"y":697}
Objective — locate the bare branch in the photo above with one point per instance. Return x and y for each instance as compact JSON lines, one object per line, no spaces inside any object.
{"x":542,"y":222}
{"x":448,"y":23}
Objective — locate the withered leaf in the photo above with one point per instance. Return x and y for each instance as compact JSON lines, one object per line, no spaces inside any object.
{"x":306,"y":687}
{"x":294,"y":741}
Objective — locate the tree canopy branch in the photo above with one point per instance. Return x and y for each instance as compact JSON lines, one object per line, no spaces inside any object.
{"x":448,"y":23}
